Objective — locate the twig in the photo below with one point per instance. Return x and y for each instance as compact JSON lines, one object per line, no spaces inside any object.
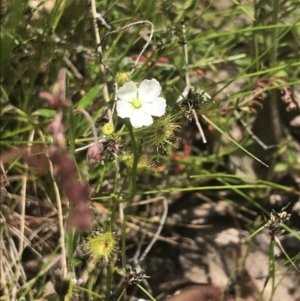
{"x":96,"y":29}
{"x":75,"y":71}
{"x":254,"y":137}
{"x":91,"y":121}
{"x":61,"y":224}
{"x":22,"y":217}
{"x":199,"y":126}
{"x":172,"y":242}
{"x":79,"y":149}
{"x":51,"y":261}
{"x":99,"y":49}
{"x":4,"y":277}
{"x":4,"y":181}
{"x":155,"y":237}
{"x":98,"y":42}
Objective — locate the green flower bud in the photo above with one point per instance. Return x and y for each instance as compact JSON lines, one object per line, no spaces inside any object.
{"x":108,"y":129}
{"x":122,"y":78}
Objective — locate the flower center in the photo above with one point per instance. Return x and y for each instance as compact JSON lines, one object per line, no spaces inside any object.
{"x":136,"y":103}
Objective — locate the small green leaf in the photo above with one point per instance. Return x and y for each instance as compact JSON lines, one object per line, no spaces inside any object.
{"x":89,"y":97}
{"x":280,"y":167}
{"x":76,"y":262}
{"x":47,"y":113}
{"x":72,"y":240}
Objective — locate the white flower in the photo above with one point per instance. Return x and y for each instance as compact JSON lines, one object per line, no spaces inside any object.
{"x":140,"y":103}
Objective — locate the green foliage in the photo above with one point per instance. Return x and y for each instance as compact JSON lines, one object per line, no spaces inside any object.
{"x":242,"y":57}
{"x":72,"y":242}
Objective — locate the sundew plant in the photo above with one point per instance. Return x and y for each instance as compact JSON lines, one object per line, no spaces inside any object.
{"x":135,"y":135}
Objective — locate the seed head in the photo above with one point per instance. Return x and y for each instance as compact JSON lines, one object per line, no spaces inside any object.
{"x":195,"y":100}
{"x":145,"y":161}
{"x":162,"y":132}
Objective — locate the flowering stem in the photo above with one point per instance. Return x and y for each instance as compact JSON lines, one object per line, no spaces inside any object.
{"x":137,"y":154}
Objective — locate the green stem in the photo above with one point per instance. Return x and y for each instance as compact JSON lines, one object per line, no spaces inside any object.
{"x":121,"y":295}
{"x":259,"y":57}
{"x":108,"y":282}
{"x":147,"y":293}
{"x":273,"y":103}
{"x":90,"y":292}
{"x":255,"y":37}
{"x":272,"y":266}
{"x":137,"y":153}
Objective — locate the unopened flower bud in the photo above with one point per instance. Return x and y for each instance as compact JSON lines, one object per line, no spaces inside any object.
{"x":108,"y":129}
{"x":122,"y":78}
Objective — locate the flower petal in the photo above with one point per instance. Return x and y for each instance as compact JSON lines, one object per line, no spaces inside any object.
{"x":128,"y":92}
{"x":156,"y":108}
{"x":124,"y":109}
{"x":149,"y":90}
{"x":139,"y":119}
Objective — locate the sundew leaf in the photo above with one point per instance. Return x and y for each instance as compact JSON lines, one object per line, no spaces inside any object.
{"x":89,"y":97}
{"x":233,"y":141}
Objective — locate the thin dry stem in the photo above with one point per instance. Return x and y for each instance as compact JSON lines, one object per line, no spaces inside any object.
{"x":98,"y":42}
{"x":254,"y":137}
{"x":63,"y":258}
{"x":4,"y":181}
{"x":147,"y":43}
{"x":3,"y":275}
{"x":155,"y":237}
{"x":96,"y":29}
{"x":61,"y":224}
{"x":161,"y":238}
{"x":51,"y":261}
{"x":91,"y":121}
{"x":79,"y":149}
{"x":22,"y":219}
{"x":199,"y":127}
{"x":72,"y":67}
{"x":99,"y":49}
